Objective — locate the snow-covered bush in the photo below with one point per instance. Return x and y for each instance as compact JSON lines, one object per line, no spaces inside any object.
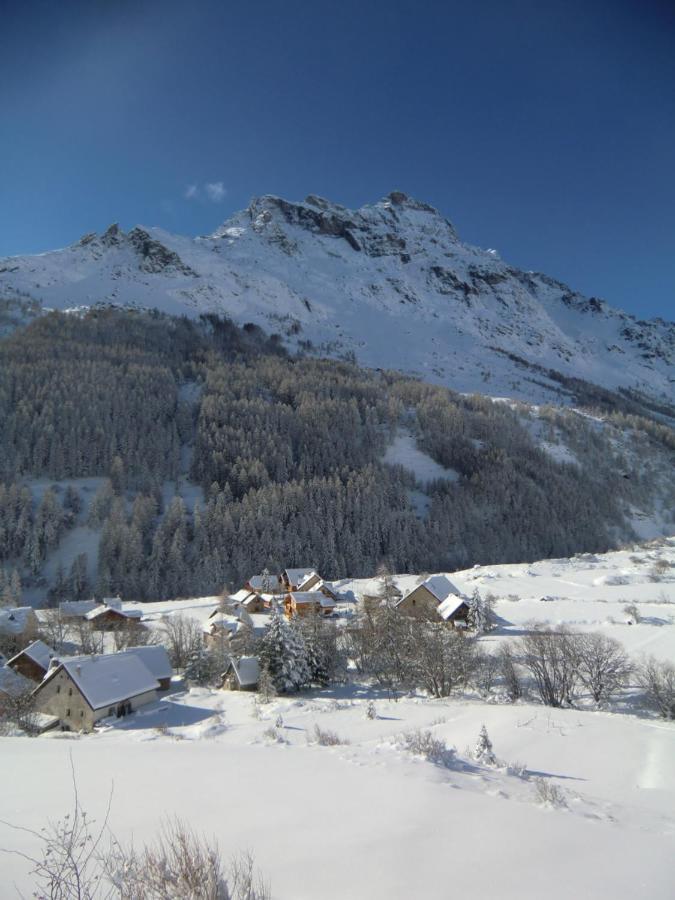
{"x":327,"y":738}
{"x":371,"y":712}
{"x":549,"y":794}
{"x":633,"y":613}
{"x":423,"y":743}
{"x":483,"y":751}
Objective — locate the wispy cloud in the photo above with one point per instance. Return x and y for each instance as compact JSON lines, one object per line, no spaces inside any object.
{"x":215,"y":191}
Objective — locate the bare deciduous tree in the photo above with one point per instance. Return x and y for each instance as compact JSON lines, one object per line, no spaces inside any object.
{"x":508,"y":669}
{"x":603,"y":665}
{"x":182,"y":637}
{"x":657,"y":677}
{"x":550,"y":657}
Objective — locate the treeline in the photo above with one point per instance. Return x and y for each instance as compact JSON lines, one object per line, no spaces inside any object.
{"x":288,"y":453}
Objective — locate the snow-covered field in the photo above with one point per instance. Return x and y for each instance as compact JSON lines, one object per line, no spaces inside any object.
{"x":368,"y":819}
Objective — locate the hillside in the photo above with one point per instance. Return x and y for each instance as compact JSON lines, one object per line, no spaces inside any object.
{"x":156,"y":457}
{"x":390,"y":284}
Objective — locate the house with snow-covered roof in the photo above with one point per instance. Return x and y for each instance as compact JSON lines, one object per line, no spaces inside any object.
{"x":242,"y":674}
{"x":33,"y":661}
{"x":77,"y":609}
{"x":12,"y":685}
{"x":436,"y":597}
{"x":109,"y":618}
{"x":234,"y":630}
{"x":18,"y":625}
{"x":307,"y":603}
{"x":81,"y":690}
{"x":300,"y":579}
{"x":155,"y":658}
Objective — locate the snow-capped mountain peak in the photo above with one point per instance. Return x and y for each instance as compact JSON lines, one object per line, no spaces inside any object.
{"x":390,"y":283}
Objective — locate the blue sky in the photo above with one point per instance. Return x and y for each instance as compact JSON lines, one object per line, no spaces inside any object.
{"x":545,"y":129}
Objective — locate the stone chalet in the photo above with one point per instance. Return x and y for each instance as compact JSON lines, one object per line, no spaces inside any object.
{"x":437,"y":597}
{"x":81,"y":690}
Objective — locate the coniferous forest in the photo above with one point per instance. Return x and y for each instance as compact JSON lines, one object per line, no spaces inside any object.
{"x":286,"y":457}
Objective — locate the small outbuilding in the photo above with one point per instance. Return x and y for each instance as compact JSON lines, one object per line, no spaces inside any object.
{"x":110,"y":618}
{"x":242,"y":674}
{"x":33,"y":661}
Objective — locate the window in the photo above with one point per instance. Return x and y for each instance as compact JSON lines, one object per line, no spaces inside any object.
{"x":68,"y":712}
{"x":82,"y":714}
{"x":111,"y":711}
{"x":70,"y":692}
{"x":58,"y":688}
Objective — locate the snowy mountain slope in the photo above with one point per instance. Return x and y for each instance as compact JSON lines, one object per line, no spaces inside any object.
{"x":390,"y":282}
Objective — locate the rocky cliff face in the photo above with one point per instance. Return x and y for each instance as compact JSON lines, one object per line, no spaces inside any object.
{"x":391,"y":283}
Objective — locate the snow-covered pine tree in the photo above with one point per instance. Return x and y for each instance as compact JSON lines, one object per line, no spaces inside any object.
{"x":483,"y":750}
{"x":481,"y":615}
{"x":203,"y":667}
{"x":283,"y":653}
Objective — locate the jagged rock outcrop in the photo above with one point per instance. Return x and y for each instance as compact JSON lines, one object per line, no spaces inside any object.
{"x":390,"y":283}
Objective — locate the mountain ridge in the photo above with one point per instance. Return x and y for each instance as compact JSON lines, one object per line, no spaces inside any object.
{"x":390,"y":283}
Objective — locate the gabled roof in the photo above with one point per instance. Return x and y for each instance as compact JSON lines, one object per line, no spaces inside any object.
{"x":450,"y":606}
{"x":77,"y":607}
{"x":314,"y":597}
{"x":154,"y":657}
{"x":246,"y":670}
{"x":16,"y":619}
{"x":13,"y":684}
{"x":229,"y":621}
{"x":102,"y":610}
{"x":300,"y":576}
{"x":38,"y":652}
{"x":439,"y":585}
{"x":261,"y":582}
{"x":107,"y":679}
{"x":241,"y":596}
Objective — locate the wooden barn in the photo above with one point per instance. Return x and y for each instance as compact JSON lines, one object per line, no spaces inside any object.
{"x":109,"y":618}
{"x":18,"y":626}
{"x":33,"y":661}
{"x":294,"y":580}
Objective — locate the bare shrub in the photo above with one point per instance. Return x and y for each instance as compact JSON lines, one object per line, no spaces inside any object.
{"x":632,"y":612}
{"x":273,"y":734}
{"x":486,"y":672}
{"x":327,"y":738}
{"x":371,"y":712}
{"x":549,"y":794}
{"x":73,"y":863}
{"x":657,"y":678}
{"x":516,"y":768}
{"x":179,"y":864}
{"x":550,"y":657}
{"x":423,"y":743}
{"x":603,"y":665}
{"x":508,"y":669}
